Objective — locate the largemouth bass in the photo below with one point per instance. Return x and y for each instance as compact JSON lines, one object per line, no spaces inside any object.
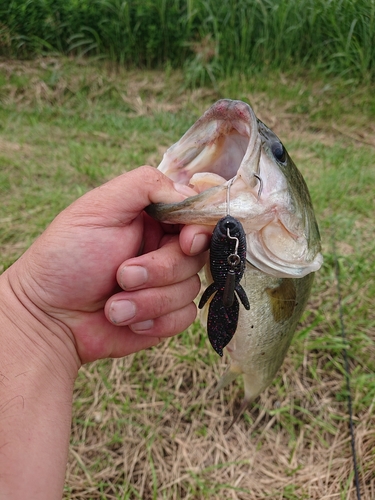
{"x":237,"y":165}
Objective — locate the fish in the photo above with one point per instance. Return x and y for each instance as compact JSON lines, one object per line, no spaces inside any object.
{"x":237,"y":165}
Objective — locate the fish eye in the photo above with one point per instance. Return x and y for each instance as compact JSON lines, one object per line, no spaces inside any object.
{"x":278,"y":151}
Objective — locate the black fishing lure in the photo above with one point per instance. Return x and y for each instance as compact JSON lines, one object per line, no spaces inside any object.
{"x":227,"y":264}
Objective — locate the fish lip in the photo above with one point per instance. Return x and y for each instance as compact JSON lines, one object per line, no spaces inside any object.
{"x":179,"y":212}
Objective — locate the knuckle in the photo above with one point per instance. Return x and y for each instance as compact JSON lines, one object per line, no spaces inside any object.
{"x":163,"y":305}
{"x":151,"y":174}
{"x":147,"y":170}
{"x":195,"y":285}
{"x":169,"y":269}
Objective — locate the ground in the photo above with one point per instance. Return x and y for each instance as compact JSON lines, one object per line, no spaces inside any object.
{"x":146,"y":426}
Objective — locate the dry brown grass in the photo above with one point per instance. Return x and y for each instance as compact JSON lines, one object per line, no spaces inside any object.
{"x":175,"y":447}
{"x":58,"y":81}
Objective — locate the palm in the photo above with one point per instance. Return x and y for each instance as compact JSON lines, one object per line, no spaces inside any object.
{"x":82,"y":267}
{"x":81,"y":275}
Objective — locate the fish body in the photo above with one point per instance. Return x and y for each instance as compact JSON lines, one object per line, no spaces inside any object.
{"x":227,"y":265}
{"x":228,"y":148}
{"x":264,"y":333}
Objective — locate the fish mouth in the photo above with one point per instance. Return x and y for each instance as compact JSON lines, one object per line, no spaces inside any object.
{"x":213,"y":149}
{"x":219,"y":158}
{"x":225,"y":157}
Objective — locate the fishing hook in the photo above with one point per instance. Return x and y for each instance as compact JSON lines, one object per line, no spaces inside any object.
{"x":236,"y":244}
{"x":233,"y":259}
{"x":227,"y":267}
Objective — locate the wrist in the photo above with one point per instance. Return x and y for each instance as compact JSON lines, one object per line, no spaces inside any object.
{"x":37,"y":374}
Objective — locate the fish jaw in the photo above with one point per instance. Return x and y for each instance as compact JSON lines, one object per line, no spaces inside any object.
{"x":222,"y":150}
{"x":209,"y":206}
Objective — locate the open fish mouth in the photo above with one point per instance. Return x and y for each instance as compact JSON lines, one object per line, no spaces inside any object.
{"x":212,"y":150}
{"x":239,"y":166}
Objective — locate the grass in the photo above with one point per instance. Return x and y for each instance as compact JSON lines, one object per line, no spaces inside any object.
{"x":209,"y":39}
{"x":144,"y":426}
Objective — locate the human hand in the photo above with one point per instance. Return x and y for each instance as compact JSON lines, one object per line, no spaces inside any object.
{"x":61,"y":304}
{"x":70,"y":279}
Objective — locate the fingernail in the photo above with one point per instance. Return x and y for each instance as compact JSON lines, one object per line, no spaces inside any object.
{"x":200,"y":243}
{"x":122,"y":311}
{"x":142,"y":326}
{"x":133,"y":276}
{"x":185,"y":190}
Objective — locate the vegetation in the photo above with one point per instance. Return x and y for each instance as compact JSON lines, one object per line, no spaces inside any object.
{"x":144,"y":426}
{"x":210,"y":39}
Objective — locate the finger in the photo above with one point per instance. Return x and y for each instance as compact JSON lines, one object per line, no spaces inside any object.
{"x":195,"y":239}
{"x":164,"y":266}
{"x":167,"y":325}
{"x":109,"y":341}
{"x":127,"y":308}
{"x":123,"y":198}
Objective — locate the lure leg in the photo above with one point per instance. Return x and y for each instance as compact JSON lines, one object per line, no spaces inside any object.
{"x":243,"y":297}
{"x":207,"y":294}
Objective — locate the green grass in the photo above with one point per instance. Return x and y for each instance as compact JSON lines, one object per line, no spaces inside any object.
{"x":209,"y":39}
{"x":144,"y":426}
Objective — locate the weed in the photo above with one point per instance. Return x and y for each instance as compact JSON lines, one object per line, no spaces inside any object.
{"x":335,"y":37}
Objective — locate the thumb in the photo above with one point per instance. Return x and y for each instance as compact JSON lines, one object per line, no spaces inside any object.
{"x":124,"y":197}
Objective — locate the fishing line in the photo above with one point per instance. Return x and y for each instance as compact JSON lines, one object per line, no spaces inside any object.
{"x":228,"y":194}
{"x":347,"y":370}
